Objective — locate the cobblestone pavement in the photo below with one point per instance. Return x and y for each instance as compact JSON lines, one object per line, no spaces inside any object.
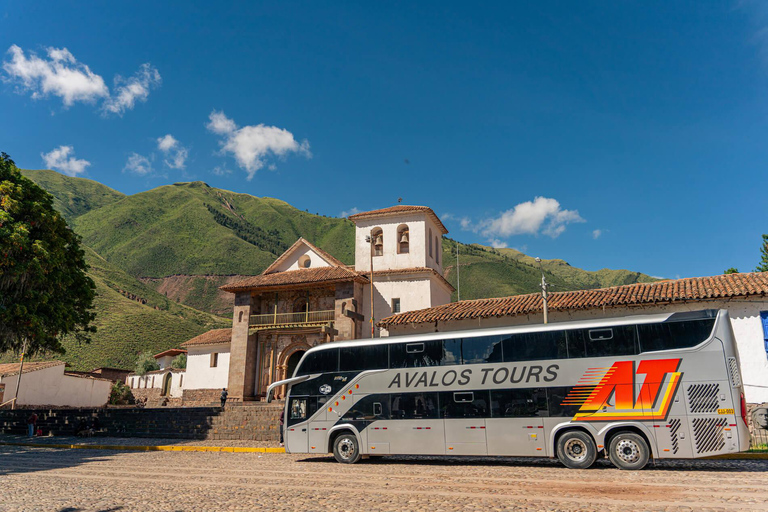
{"x":45,"y":479}
{"x":133,"y":441}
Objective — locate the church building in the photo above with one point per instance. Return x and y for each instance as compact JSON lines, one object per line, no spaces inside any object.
{"x":307,"y":297}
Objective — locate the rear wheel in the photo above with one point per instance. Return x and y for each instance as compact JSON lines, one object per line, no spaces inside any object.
{"x":629,"y":451}
{"x":576,"y":450}
{"x":346,"y":449}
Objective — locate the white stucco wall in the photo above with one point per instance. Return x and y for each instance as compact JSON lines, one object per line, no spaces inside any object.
{"x":156,"y":380}
{"x":200,"y":375}
{"x":417,"y":251}
{"x":50,"y":386}
{"x":292,"y":260}
{"x":165,"y":361}
{"x":745,"y":319}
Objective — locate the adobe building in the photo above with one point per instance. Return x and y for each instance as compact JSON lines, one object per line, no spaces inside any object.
{"x":307,"y":297}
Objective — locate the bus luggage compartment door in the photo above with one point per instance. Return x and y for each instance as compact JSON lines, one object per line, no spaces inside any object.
{"x":465,"y":437}
{"x":515,"y":436}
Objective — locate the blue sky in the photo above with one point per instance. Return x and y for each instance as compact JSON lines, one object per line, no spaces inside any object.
{"x":621,"y":136}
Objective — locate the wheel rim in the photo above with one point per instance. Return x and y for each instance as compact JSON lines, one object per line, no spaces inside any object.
{"x":346,"y":449}
{"x":628,"y":451}
{"x":576,"y":450}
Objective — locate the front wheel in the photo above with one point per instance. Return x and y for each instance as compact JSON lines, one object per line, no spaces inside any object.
{"x":346,"y":449}
{"x":628,"y":451}
{"x":576,"y":450}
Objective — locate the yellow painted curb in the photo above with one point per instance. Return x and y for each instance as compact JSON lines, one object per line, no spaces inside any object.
{"x":228,"y":449}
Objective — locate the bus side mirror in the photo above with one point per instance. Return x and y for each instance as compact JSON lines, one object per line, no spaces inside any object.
{"x":269,"y":396}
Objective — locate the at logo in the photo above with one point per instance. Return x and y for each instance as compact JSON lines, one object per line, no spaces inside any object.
{"x":651,"y":402}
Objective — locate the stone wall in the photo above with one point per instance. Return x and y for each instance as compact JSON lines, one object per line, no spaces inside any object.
{"x":151,"y":394}
{"x":201,"y":397}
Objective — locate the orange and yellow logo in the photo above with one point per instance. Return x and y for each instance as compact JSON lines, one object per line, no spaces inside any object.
{"x":652,"y":402}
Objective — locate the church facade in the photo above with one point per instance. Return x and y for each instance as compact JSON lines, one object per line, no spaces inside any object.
{"x":308,"y":297}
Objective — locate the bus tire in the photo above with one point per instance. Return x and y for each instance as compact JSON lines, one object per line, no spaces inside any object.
{"x":576,"y":449}
{"x":346,"y":449}
{"x":628,"y":450}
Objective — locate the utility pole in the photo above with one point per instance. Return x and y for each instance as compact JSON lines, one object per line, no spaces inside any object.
{"x":458,"y":281}
{"x":21,"y":369}
{"x":543,"y":289}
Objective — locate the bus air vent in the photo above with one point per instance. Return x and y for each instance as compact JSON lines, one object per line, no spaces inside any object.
{"x":735,"y":376}
{"x":674,"y":426}
{"x":708,"y":434}
{"x":702,"y":398}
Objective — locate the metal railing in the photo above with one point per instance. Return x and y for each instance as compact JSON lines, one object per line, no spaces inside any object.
{"x":304,"y":317}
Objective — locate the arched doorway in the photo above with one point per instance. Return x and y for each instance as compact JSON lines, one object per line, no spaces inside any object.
{"x":167,"y":384}
{"x":293,"y":361}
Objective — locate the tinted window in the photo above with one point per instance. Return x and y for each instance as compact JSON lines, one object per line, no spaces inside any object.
{"x":518,"y":403}
{"x":451,"y":352}
{"x":577,"y":346}
{"x":410,"y":406}
{"x":533,"y":346}
{"x":327,"y":384}
{"x":484,"y":349}
{"x":612,"y":341}
{"x":320,"y":362}
{"x":416,"y":355}
{"x":672,"y":335}
{"x":373,"y":357}
{"x":555,"y":398}
{"x":464,"y":404}
{"x":372,"y":407}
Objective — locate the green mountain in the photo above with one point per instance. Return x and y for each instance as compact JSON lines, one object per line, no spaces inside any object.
{"x":158,"y":258}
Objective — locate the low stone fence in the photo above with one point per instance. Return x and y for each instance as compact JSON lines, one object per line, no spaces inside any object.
{"x":253,"y":422}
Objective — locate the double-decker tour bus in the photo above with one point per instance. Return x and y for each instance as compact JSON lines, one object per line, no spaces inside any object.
{"x":631,"y":388}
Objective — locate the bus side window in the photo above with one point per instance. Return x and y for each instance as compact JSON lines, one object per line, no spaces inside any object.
{"x":519,"y":403}
{"x":577,"y":344}
{"x":298,"y":410}
{"x":533,"y":346}
{"x":414,"y":406}
{"x":416,"y":355}
{"x":612,"y":341}
{"x":373,"y":357}
{"x":321,"y":361}
{"x":464,"y":404}
{"x":674,"y":335}
{"x":483,"y":349}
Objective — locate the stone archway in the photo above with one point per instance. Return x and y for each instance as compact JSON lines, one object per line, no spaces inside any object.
{"x":292,"y":362}
{"x":167,"y":384}
{"x":282,"y":362}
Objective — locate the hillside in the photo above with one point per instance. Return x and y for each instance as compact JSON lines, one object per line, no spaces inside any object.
{"x":73,"y":197}
{"x":488,"y":272}
{"x":130,"y":318}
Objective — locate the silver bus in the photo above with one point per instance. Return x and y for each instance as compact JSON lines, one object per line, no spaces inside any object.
{"x":630,"y":388}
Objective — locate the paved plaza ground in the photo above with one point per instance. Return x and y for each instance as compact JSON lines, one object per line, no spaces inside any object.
{"x":47,"y":479}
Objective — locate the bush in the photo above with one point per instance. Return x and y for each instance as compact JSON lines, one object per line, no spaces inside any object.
{"x":121,"y":395}
{"x":179,"y":362}
{"x":146,"y":363}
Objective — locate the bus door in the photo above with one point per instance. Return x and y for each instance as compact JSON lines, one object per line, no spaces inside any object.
{"x":416,"y":427}
{"x":516,"y":425}
{"x":296,"y":425}
{"x":464,"y":414}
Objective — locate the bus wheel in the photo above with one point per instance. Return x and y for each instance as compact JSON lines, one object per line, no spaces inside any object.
{"x":628,"y":451}
{"x":345,"y":449}
{"x":576,"y":450}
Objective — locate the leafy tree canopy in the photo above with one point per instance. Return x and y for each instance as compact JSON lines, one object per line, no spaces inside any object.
{"x":732,"y":270}
{"x":45,"y":293}
{"x":146,"y":362}
{"x":120,"y":394}
{"x":179,"y":361}
{"x":763,"y":265}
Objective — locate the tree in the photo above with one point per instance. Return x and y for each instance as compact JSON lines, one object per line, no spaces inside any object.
{"x":763,"y":265}
{"x":732,"y":270}
{"x":146,"y":362}
{"x":120,"y":394}
{"x":179,"y":362}
{"x":45,"y":294}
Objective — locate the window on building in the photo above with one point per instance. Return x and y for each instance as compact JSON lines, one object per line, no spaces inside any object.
{"x":377,"y":239}
{"x":133,"y":382}
{"x":430,"y":242}
{"x":214,"y":360}
{"x":395,"y":305}
{"x":153,"y":381}
{"x":403,"y":239}
{"x":181,"y":380}
{"x":437,"y":250}
{"x":764,"y":321}
{"x":305,"y":261}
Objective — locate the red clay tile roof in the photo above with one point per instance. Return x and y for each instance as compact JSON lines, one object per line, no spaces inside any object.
{"x":412,"y":270}
{"x":330,"y":259}
{"x":8,"y":369}
{"x":210,"y":338}
{"x":400,"y":208}
{"x":694,"y":288}
{"x":170,"y":352}
{"x":304,"y":276}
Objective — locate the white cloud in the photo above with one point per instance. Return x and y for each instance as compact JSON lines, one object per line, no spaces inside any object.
{"x":498,"y":244}
{"x":138,"y":164}
{"x":176,"y":154}
{"x":531,"y":217}
{"x":60,"y":160}
{"x":596,"y":233}
{"x":252,"y":145}
{"x":129,"y":91}
{"x":221,"y":170}
{"x":466,"y":223}
{"x":347,"y":213}
{"x":60,"y":75}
